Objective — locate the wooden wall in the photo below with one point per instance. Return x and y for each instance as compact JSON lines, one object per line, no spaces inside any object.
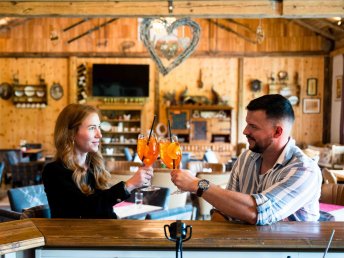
{"x":228,"y":63}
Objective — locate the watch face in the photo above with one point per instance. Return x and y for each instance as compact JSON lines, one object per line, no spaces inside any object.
{"x":203,"y":184}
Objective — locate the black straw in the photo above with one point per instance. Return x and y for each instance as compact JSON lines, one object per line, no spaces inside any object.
{"x":170,"y":136}
{"x":151,"y":130}
{"x":169,"y":130}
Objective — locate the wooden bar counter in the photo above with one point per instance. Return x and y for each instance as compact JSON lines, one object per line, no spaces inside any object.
{"x":146,"y":238}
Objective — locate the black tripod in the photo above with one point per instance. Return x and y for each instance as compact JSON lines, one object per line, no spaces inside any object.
{"x":178,"y":231}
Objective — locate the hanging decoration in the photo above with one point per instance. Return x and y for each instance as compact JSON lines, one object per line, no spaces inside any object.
{"x":260,"y":34}
{"x":164,"y":43}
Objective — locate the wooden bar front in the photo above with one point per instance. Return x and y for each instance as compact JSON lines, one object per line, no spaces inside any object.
{"x":56,"y":234}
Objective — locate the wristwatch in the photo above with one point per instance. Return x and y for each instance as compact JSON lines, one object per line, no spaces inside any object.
{"x":203,"y":186}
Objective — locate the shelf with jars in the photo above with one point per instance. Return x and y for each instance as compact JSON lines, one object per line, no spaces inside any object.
{"x":121,"y":130}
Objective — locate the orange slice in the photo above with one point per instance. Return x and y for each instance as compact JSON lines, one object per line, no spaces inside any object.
{"x":173,"y":150}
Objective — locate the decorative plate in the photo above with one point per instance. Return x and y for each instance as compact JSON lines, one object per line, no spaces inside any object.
{"x":29,"y":91}
{"x":56,"y":91}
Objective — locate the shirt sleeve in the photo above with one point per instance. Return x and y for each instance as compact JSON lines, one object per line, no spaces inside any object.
{"x":285,"y":199}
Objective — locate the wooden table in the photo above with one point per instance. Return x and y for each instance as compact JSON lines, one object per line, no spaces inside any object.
{"x":117,"y":238}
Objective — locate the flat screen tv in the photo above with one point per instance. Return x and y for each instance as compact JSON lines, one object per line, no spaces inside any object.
{"x":120,"y":80}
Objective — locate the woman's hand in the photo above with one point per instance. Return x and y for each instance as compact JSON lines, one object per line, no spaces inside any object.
{"x":184,"y":180}
{"x":141,"y":178}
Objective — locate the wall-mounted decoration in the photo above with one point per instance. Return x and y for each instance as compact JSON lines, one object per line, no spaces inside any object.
{"x":255,"y":85}
{"x":281,"y":85}
{"x":56,"y":91}
{"x":82,"y":83}
{"x":312,"y":86}
{"x":311,"y":106}
{"x":168,"y":46}
{"x":6,"y":90}
{"x":339,"y":87}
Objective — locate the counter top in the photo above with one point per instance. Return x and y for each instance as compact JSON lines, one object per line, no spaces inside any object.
{"x":19,"y":235}
{"x":149,"y":234}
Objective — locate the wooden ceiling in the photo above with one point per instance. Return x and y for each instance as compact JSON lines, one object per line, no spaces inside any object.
{"x":312,"y":14}
{"x":190,"y":8}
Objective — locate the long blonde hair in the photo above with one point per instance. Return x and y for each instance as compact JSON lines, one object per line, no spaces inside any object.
{"x":66,"y":127}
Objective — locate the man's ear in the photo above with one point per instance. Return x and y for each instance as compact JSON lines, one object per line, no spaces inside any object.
{"x":278,"y":131}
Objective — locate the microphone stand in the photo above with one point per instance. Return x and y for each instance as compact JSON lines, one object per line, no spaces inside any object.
{"x":178,"y":231}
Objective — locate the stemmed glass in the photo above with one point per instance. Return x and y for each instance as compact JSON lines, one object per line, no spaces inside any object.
{"x":171,"y":153}
{"x":148,"y":151}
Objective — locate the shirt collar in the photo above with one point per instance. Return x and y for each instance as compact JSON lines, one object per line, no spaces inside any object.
{"x":283,"y":158}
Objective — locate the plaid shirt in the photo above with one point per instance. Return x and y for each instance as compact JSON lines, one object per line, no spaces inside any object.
{"x":289,"y":191}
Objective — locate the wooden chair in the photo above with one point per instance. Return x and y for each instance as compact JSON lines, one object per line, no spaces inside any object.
{"x":220,"y":179}
{"x":337,"y":156}
{"x":332,"y":194}
{"x":162,"y":178}
{"x":328,"y":176}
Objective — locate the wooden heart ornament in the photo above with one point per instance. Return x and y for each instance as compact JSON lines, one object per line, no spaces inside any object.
{"x":170,"y":47}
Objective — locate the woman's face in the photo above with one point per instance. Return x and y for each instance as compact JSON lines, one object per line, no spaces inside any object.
{"x":88,"y":137}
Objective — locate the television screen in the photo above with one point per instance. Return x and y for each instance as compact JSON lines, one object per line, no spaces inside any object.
{"x":120,"y":80}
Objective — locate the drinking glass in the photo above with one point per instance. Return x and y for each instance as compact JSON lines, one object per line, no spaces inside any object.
{"x":171,"y":153}
{"x":148,"y":151}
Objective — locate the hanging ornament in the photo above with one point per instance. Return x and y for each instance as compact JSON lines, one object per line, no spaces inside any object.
{"x":163,"y":42}
{"x":260,"y":35}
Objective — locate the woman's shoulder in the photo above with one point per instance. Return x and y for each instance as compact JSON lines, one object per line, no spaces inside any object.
{"x":55,"y":166}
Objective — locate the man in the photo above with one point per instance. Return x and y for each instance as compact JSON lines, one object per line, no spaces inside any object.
{"x":273,"y":180}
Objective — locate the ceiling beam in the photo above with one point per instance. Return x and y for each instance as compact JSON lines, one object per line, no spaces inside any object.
{"x":181,"y":8}
{"x":314,"y":29}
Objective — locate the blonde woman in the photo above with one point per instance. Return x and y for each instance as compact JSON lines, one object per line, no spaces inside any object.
{"x":76,"y":182}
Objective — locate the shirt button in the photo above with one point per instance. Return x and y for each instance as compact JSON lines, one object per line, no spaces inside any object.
{"x":118,"y":200}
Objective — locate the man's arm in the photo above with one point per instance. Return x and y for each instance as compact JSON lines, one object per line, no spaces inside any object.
{"x":234,"y":204}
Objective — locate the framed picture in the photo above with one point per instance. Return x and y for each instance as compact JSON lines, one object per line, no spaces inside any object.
{"x":339,"y":85}
{"x":312,"y":86}
{"x":311,"y":106}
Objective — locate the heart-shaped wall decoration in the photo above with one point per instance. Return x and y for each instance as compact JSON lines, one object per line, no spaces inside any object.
{"x":166,"y":49}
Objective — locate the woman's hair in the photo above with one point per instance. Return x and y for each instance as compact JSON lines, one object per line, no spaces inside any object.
{"x":66,"y":127}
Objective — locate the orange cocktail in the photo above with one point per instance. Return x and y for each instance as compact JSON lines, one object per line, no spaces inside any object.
{"x":170,"y":152}
{"x":148,"y":151}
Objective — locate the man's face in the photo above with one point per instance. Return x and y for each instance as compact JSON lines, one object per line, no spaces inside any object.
{"x":259,"y":131}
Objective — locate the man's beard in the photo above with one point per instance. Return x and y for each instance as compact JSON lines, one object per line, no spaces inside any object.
{"x":258,"y":148}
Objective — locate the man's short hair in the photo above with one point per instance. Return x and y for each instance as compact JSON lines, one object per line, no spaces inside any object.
{"x":275,"y":106}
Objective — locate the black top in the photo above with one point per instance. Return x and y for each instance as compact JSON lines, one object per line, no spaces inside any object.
{"x":67,"y":201}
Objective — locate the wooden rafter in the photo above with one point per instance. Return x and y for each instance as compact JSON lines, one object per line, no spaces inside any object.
{"x":314,"y":29}
{"x":154,"y":8}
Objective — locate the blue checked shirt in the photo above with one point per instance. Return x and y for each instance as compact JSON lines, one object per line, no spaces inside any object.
{"x":289,"y":191}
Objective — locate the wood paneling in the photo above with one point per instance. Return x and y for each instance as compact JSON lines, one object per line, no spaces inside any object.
{"x":33,"y":36}
{"x":33,"y":124}
{"x":308,"y":127}
{"x":287,"y":47}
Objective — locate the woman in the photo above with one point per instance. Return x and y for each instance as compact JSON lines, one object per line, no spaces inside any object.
{"x":77,"y":183}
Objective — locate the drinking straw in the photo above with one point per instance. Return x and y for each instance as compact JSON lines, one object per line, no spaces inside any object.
{"x":169,"y":130}
{"x":150,"y":132}
{"x":170,"y":136}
